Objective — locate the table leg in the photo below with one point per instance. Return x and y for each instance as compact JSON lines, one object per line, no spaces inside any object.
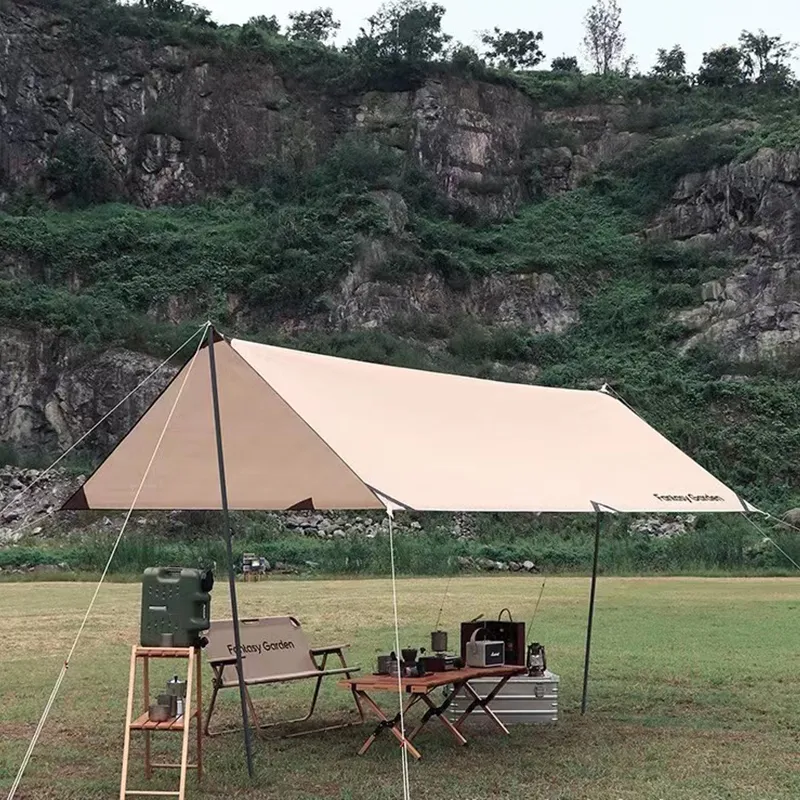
{"x":483,"y":702}
{"x":357,"y":701}
{"x":390,"y":724}
{"x":438,"y":711}
{"x":128,"y":717}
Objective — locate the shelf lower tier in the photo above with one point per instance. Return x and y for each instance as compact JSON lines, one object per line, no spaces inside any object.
{"x":144,"y":723}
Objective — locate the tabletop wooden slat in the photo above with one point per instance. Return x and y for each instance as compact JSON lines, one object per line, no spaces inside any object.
{"x":426,"y":683}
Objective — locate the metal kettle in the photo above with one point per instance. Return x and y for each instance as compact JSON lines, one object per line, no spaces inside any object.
{"x":439,"y":641}
{"x":177,"y":688}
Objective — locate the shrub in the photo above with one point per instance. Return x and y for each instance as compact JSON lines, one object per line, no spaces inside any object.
{"x":567,"y":64}
{"x":677,"y":295}
{"x":78,"y":174}
{"x":648,"y":175}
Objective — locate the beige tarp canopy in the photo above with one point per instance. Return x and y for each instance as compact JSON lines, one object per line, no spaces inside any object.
{"x":302,"y":430}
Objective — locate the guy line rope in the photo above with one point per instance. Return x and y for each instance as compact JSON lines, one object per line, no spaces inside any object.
{"x":43,"y":719}
{"x":766,"y":514}
{"x":94,"y":427}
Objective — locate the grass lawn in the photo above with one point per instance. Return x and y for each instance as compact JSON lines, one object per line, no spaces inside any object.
{"x":694,"y":692}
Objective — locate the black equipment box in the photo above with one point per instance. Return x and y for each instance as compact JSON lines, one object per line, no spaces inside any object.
{"x":440,"y":663}
{"x":511,"y":633}
{"x":176,"y":601}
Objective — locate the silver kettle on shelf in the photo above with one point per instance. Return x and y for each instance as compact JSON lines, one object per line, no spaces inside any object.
{"x":177,"y":688}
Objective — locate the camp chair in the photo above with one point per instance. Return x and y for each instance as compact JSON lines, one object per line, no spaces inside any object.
{"x":274,"y":650}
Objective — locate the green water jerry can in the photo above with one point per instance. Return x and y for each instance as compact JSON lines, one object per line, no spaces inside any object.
{"x":177,"y":601}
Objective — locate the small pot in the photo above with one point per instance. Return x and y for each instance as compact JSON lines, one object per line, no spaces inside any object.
{"x":385,"y":664}
{"x":439,"y":641}
{"x":170,"y":702}
{"x":158,"y":713}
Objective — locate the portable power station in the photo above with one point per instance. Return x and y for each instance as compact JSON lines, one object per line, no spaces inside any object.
{"x":485,"y":653}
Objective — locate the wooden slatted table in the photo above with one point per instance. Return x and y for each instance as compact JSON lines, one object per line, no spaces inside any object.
{"x":420,"y":690}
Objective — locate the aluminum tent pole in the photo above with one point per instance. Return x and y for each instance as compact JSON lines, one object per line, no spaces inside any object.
{"x":223,"y":490}
{"x":585,"y":696}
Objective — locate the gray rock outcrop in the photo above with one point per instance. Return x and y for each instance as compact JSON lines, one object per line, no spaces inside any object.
{"x":52,"y":392}
{"x":751,"y":212}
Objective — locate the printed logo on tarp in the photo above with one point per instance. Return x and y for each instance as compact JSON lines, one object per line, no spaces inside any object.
{"x":689,"y":498}
{"x":262,"y":647}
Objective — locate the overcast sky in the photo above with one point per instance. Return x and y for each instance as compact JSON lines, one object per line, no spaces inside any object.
{"x":698,"y":25}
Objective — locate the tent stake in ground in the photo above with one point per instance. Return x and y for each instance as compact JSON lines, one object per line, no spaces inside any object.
{"x":585,"y":695}
{"x":226,"y":517}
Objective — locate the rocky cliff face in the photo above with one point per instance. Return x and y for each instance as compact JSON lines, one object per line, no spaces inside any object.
{"x":173,"y":123}
{"x":170,"y":123}
{"x":52,"y":393}
{"x":750,"y":211}
{"x":536,"y":301}
{"x":581,"y":139}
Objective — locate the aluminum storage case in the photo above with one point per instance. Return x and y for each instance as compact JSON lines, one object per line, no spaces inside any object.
{"x":523,"y":699}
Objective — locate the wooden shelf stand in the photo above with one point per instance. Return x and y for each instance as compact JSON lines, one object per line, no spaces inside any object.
{"x":180,"y":724}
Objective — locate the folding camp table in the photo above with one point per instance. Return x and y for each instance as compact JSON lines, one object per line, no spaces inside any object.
{"x":420,"y":690}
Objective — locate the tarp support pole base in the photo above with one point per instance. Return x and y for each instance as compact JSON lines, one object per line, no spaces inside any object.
{"x":223,"y":490}
{"x":585,"y":695}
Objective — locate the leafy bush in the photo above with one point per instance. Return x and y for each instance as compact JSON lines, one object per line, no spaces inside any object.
{"x":649,"y":174}
{"x":723,"y":68}
{"x":572,"y":234}
{"x":562,"y":88}
{"x":466,"y":61}
{"x":514,"y":49}
{"x":318,"y":25}
{"x":177,"y":11}
{"x":471,"y":343}
{"x":677,"y":295}
{"x":399,"y":42}
{"x":78,"y":174}
{"x":565,"y":64}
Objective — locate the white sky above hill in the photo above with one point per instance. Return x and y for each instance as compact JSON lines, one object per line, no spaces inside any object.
{"x":697,"y":25}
